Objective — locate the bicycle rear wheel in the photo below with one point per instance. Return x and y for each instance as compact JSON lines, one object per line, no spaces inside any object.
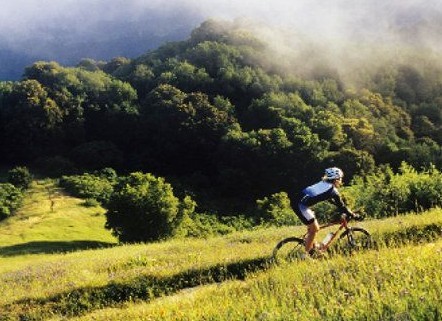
{"x":289,"y":250}
{"x":354,"y":239}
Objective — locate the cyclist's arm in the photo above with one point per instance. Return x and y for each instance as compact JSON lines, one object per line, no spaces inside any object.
{"x":339,"y":203}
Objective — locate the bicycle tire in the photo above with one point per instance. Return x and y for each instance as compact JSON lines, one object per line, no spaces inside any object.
{"x":355,"y":239}
{"x":288,"y":250}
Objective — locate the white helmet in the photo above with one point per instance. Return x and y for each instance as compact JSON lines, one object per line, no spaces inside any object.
{"x":333,"y":173}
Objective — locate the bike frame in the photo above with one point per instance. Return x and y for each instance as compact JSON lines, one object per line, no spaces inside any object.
{"x":293,"y":247}
{"x":343,"y":225}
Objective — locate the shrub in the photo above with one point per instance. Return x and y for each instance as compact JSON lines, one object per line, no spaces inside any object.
{"x":20,"y":177}
{"x":426,"y":190}
{"x":276,"y":210}
{"x":385,"y":193}
{"x":204,"y":225}
{"x":89,"y":186}
{"x":90,"y":202}
{"x":10,"y":199}
{"x":143,"y":208}
{"x":108,"y":173}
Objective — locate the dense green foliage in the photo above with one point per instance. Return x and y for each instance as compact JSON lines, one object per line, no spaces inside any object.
{"x":12,"y":191}
{"x":385,"y":193}
{"x":10,"y":199}
{"x":222,"y":119}
{"x":98,"y":185}
{"x":20,"y":177}
{"x":144,"y":208}
{"x":142,"y":199}
{"x":276,"y":210}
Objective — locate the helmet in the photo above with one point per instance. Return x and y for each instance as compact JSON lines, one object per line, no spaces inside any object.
{"x":333,"y":173}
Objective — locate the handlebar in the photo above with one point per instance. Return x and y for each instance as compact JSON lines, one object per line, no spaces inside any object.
{"x":355,"y":216}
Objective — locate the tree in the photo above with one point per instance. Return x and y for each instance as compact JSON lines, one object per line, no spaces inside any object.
{"x":269,"y":110}
{"x":185,"y":76}
{"x":20,"y":177}
{"x":142,"y":208}
{"x":257,"y":163}
{"x":10,"y":199}
{"x":188,"y":125}
{"x":116,"y":63}
{"x":31,"y":121}
{"x":352,"y":161}
{"x":213,"y":57}
{"x":92,"y":101}
{"x":329,"y":127}
{"x":361,"y":133}
{"x":90,"y":64}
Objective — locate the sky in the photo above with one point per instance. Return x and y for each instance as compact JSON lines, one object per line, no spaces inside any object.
{"x":69,"y":30}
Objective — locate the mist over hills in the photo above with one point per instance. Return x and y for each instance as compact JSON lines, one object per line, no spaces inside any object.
{"x":74,"y":30}
{"x":71,"y":30}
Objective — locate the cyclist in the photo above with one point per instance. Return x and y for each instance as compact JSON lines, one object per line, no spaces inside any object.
{"x":326,"y":189}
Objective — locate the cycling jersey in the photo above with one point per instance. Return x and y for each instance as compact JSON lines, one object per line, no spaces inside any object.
{"x":314,"y":194}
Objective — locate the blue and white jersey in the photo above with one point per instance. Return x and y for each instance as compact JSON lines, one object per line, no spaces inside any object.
{"x":322,"y":191}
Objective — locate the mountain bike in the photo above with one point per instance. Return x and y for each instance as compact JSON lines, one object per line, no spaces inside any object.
{"x":347,"y":238}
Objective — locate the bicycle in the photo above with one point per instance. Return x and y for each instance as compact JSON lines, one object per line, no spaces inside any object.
{"x":351,"y":239}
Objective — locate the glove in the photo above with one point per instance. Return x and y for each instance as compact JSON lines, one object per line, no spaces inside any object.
{"x":356,"y":217}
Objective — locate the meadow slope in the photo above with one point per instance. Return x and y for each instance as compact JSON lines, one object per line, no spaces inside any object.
{"x":399,"y":284}
{"x":58,"y":262}
{"x":50,"y":221}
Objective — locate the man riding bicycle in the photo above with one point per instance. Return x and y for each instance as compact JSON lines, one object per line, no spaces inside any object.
{"x":326,"y":189}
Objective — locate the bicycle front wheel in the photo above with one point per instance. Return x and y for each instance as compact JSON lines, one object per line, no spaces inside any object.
{"x":355,"y":239}
{"x":289,"y":250}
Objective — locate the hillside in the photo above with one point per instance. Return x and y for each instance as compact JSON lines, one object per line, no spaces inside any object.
{"x":123,"y":282}
{"x":198,"y":147}
{"x":374,"y":286}
{"x":51,"y":221}
{"x":226,"y":115}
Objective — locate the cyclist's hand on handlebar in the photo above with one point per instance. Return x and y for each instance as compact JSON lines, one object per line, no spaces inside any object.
{"x":356,"y":216}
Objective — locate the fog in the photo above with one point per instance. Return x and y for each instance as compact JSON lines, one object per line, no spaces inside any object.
{"x":69,"y":30}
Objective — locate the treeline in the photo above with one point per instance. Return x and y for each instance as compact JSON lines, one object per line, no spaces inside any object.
{"x":221,"y":118}
{"x":141,"y":207}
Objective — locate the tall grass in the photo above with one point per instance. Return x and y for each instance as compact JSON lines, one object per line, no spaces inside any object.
{"x":75,"y":283}
{"x":390,"y":284}
{"x":49,"y":269}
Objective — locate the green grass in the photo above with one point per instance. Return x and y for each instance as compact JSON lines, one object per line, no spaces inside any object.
{"x":49,"y":268}
{"x":50,"y":221}
{"x":48,"y":214}
{"x":398,"y":284}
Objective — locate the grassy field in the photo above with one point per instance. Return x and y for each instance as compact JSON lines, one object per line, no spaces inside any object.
{"x":399,"y":284}
{"x":50,"y":222}
{"x":58,"y":262}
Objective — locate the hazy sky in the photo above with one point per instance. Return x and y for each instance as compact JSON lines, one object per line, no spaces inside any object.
{"x":66,"y":30}
{"x":30,"y":18}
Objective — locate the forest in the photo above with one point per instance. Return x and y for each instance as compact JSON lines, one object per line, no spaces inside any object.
{"x":224,"y":117}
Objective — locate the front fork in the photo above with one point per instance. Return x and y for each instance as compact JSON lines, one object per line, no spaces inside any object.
{"x":351,"y":239}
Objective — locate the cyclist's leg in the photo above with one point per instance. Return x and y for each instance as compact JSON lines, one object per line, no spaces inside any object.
{"x":312,"y":230}
{"x":307,"y":216}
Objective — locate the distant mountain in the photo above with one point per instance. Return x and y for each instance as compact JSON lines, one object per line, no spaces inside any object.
{"x":67,"y":43}
{"x":66,"y":31}
{"x":12,"y":64}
